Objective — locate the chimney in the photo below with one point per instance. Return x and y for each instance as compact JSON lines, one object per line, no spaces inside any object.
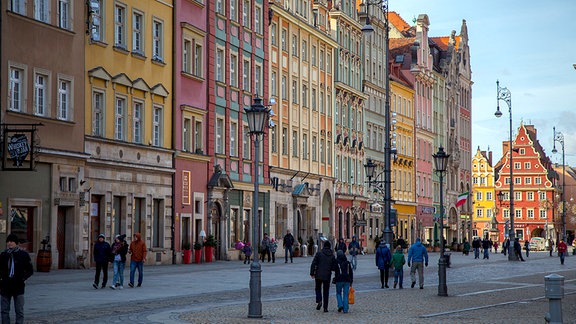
{"x":490,"y":158}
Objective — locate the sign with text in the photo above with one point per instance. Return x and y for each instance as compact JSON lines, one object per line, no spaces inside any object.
{"x":185,"y":187}
{"x":18,"y":147}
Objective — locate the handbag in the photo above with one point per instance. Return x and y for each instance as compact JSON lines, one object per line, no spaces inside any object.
{"x":351,"y":296}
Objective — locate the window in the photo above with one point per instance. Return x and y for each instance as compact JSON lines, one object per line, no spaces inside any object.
{"x":187,"y":56}
{"x":64,"y":99}
{"x":233,"y":135}
{"x":283,"y":39}
{"x":475,"y":180}
{"x":42,"y":10}
{"x":137,"y":31}
{"x":321,"y":60}
{"x":234,"y":70}
{"x":198,"y":55}
{"x":314,"y":99}
{"x":527,"y":165}
{"x":479,"y":212}
{"x":97,"y":20}
{"x":15,"y":90}
{"x":220,"y":65}
{"x":322,"y":159}
{"x":294,"y":91}
{"x":329,"y":63}
{"x":530,"y":196}
{"x":234,"y":10}
{"x":257,"y":79}
{"x":294,"y":143}
{"x":329,"y":153}
{"x":527,"y":180}
{"x":517,"y":165}
{"x":219,"y":135}
{"x":98,"y":109}
{"x":294,"y":45}
{"x":313,"y":55}
{"x":157,"y":40}
{"x":198,"y":131}
{"x":517,"y":180}
{"x":489,"y":196}
{"x":284,"y":88}
{"x":543,"y":213}
{"x":284,"y":141}
{"x":506,"y":213}
{"x":40,"y":94}
{"x":186,"y":135}
{"x":64,"y":14}
{"x":246,"y":75}
{"x":119,"y":118}
{"x":478,"y":196}
{"x":321,"y":104}
{"x":246,"y":14}
{"x":258,"y":20}
{"x":120,"y":26}
{"x":530,"y":213}
{"x":273,"y":140}
{"x":314,"y":148}
{"x":273,"y":39}
{"x":137,"y":121}
{"x":157,"y":120}
{"x":305,"y":146}
{"x":220,"y":7}
{"x":304,"y":96}
{"x":304,"y":51}
{"x":537,"y":180}
{"x":517,"y":196}
{"x":19,"y":6}
{"x":192,"y":134}
{"x":507,"y":181}
{"x":518,"y":212}
{"x":542,"y":195}
{"x":273,"y":86}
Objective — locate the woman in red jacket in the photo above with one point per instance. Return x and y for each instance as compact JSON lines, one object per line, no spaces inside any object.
{"x":562,"y":248}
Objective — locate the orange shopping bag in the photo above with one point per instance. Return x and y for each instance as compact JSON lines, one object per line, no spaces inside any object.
{"x":351,"y":296}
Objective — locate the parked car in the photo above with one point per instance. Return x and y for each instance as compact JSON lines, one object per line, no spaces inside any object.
{"x":538,"y":244}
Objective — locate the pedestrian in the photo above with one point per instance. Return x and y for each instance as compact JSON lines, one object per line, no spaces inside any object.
{"x":15,"y":268}
{"x":550,"y":246}
{"x":138,"y":256}
{"x":341,"y":245}
{"x":518,"y":249}
{"x":486,"y":248}
{"x":401,"y":242}
{"x":476,"y":246}
{"x":506,"y":246}
{"x":496,"y":247}
{"x":247,"y":250}
{"x":353,"y":250}
{"x":527,"y":247}
{"x":273,"y":247}
{"x":417,"y":259}
{"x":119,"y":251}
{"x":321,"y":269}
{"x":562,"y":249}
{"x":101,"y":254}
{"x":288,"y":243}
{"x":265,"y":247}
{"x":398,"y":261}
{"x":383,"y":258}
{"x":466,"y":248}
{"x":343,"y":277}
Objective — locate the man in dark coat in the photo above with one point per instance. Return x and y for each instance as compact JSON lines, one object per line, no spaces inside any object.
{"x":288,"y":242}
{"x":102,"y":253}
{"x":321,"y":271}
{"x":518,"y":249}
{"x":383,"y":258}
{"x":15,"y":268}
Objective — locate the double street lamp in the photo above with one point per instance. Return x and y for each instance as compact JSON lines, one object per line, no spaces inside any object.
{"x":441,"y":163}
{"x":504,"y":94}
{"x":368,"y":29}
{"x":559,"y":137}
{"x":258,"y":116}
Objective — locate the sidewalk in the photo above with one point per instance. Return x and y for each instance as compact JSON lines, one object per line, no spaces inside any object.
{"x":218,"y":292}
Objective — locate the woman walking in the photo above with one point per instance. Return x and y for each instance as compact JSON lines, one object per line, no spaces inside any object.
{"x":344,"y":277}
{"x":383,"y":257}
{"x":119,"y":251}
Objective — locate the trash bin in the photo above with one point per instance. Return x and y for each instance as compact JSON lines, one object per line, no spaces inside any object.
{"x":447,"y":259}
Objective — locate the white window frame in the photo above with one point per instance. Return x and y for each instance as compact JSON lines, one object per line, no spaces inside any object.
{"x":97,"y":21}
{"x":157,"y":40}
{"x":120,"y":117}
{"x":42,"y":10}
{"x":17,"y":88}
{"x":220,"y":7}
{"x":64,"y":14}
{"x":41,"y":94}
{"x":220,"y":134}
{"x":138,"y":109}
{"x":234,"y":10}
{"x":192,"y":53}
{"x":234,"y":69}
{"x":246,"y":84}
{"x":246,"y":154}
{"x":138,"y":30}
{"x":98,"y":112}
{"x":246,"y":14}
{"x":157,"y":125}
{"x":220,"y":63}
{"x":187,"y":55}
{"x":530,"y":213}
{"x":18,"y":6}
{"x":65,"y":98}
{"x":120,"y":25}
{"x":233,"y":138}
{"x":187,"y":134}
{"x":258,"y":20}
{"x":258,"y":79}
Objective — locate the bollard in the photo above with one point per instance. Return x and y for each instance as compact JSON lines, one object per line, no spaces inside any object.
{"x":315,"y":249}
{"x":554,"y":285}
{"x":304,"y":249}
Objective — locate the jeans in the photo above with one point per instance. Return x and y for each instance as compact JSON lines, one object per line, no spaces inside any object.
{"x":417,"y":266}
{"x":476,"y":253}
{"x":119,"y":272}
{"x":562,"y":256}
{"x":322,"y":290}
{"x":342,"y":290}
{"x":399,"y":276}
{"x":486,"y":254}
{"x":140,"y":266}
{"x":265,"y":252}
{"x":527,"y":252}
{"x":354,"y":261}
{"x":287,"y":249}
{"x":384,"y":274}
{"x":101,"y":267}
{"x":18,"y":308}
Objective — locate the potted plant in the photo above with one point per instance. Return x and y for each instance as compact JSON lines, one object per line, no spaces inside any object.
{"x":186,"y":253}
{"x":209,"y":246}
{"x":197,"y":252}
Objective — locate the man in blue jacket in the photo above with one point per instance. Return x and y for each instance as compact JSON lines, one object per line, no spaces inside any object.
{"x":417,"y":259}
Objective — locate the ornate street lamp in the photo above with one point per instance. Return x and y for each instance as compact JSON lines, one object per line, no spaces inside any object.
{"x":367,"y":29}
{"x":559,"y":137}
{"x":504,"y":94}
{"x":441,"y":163}
{"x":257,"y":116}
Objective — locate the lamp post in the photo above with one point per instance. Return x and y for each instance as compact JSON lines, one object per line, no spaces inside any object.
{"x":367,"y":29}
{"x":257,"y":116}
{"x":441,"y":162}
{"x":504,"y":94}
{"x":559,"y":137}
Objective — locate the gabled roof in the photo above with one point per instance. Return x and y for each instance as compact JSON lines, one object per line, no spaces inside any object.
{"x":397,"y":21}
{"x":443,"y":42}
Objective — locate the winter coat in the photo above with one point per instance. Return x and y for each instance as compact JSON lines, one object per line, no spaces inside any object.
{"x":354,"y":247}
{"x":383,"y":256}
{"x":341,"y":246}
{"x":417,"y":253}
{"x":265,"y":245}
{"x":101,"y":252}
{"x":323,"y":264}
{"x":119,"y":248}
{"x":288,"y":240}
{"x":485,"y":244}
{"x":343,"y":270}
{"x":476,"y":244}
{"x":466,"y":247}
{"x":22,"y":270}
{"x":138,"y":249}
{"x":273,"y":247}
{"x":562,"y":247}
{"x":247,"y":250}
{"x":398,"y":260}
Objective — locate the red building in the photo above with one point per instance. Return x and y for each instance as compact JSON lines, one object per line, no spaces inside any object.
{"x":535,"y":186}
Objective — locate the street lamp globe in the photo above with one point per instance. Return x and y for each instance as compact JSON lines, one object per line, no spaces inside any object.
{"x":441,"y":160}
{"x":370,"y":168}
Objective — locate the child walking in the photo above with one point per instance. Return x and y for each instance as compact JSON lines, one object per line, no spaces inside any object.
{"x":247,"y":250}
{"x":273,"y":247}
{"x":398,"y":262}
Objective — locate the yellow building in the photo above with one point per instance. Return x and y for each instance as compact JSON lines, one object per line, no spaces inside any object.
{"x":128,"y":103}
{"x":484,"y":207}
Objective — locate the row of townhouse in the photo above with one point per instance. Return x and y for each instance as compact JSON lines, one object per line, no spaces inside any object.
{"x":128,"y":116}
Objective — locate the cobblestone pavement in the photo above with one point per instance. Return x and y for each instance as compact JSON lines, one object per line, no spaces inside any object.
{"x":480,"y":291}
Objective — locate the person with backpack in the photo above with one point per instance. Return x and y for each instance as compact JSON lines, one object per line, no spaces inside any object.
{"x":321,"y":269}
{"x":343,"y":278}
{"x":383,"y":258}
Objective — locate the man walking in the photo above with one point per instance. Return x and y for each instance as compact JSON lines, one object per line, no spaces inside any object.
{"x":518,"y":249}
{"x":265,"y":248}
{"x":138,"y":256}
{"x":288,"y":242}
{"x":321,"y":269}
{"x":102,"y":252}
{"x":353,"y":250}
{"x":383,"y":258}
{"x":417,"y":259}
{"x":15,"y":268}
{"x":486,"y":248}
{"x":562,"y":249}
{"x":476,"y":247}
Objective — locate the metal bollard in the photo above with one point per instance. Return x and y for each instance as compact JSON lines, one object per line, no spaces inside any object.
{"x":304,"y":249}
{"x":554,"y":285}
{"x":315,"y":249}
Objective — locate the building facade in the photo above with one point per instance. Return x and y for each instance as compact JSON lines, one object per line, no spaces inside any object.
{"x":485,"y":205}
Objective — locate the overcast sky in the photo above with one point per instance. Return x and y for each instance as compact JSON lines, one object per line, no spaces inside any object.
{"x":530,"y":47}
